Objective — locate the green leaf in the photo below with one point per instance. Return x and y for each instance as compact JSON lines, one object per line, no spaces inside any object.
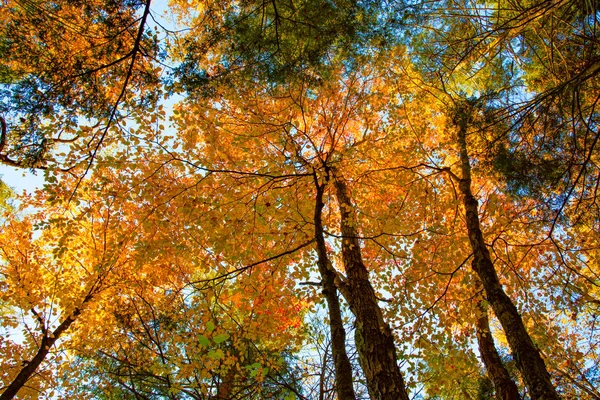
{"x":216,"y":354}
{"x":220,"y":338}
{"x":203,"y":340}
{"x":210,"y":326}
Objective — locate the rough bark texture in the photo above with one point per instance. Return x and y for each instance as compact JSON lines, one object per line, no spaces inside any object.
{"x":343,"y":368}
{"x":506,"y":388}
{"x":373,"y":337}
{"x":528,"y":359}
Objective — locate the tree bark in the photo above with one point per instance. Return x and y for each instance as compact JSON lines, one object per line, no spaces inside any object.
{"x":373,"y":337}
{"x":505,"y":387}
{"x":528,"y":359}
{"x":343,"y":368}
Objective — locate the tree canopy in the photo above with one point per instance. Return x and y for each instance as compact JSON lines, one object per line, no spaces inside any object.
{"x":300,"y":200}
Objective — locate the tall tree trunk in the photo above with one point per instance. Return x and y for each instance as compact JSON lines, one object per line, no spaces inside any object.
{"x":528,"y":359}
{"x":341,"y":362}
{"x":506,"y":388}
{"x":48,"y":340}
{"x":373,"y":337}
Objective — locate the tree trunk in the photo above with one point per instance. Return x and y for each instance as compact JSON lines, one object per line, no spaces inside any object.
{"x":343,"y":368}
{"x":528,"y":359}
{"x":46,"y":344}
{"x":505,"y":387}
{"x":373,"y":337}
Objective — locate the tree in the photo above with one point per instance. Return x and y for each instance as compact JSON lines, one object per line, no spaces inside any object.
{"x":53,"y":279}
{"x":504,"y":385}
{"x":205,"y":345}
{"x":69,"y":73}
{"x":343,"y":368}
{"x":528,"y":359}
{"x":376,"y":161}
{"x":312,"y":137}
{"x":274,"y":41}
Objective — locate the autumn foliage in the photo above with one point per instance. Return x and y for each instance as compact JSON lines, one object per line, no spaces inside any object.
{"x":300,"y":200}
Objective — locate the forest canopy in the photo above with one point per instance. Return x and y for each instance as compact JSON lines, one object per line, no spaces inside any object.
{"x":300,"y":199}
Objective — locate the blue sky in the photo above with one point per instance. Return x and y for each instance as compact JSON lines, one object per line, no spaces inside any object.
{"x":20,"y":179}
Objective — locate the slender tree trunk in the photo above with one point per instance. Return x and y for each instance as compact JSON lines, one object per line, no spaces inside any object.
{"x":506,"y":388}
{"x":323,"y":372}
{"x":373,"y":337}
{"x":341,"y":362}
{"x":528,"y":359}
{"x":48,"y":340}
